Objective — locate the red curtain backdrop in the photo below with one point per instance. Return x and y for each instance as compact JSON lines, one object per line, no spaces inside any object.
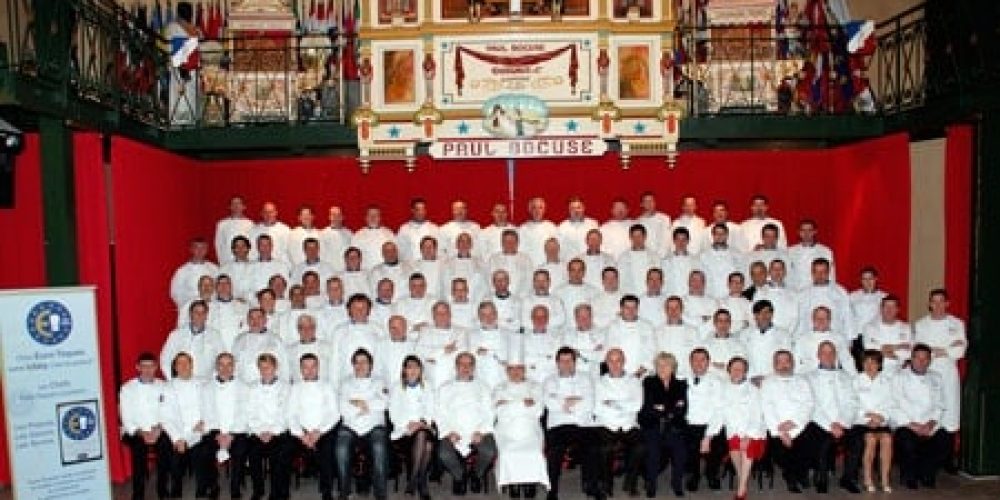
{"x":22,"y":264}
{"x":958,"y":216}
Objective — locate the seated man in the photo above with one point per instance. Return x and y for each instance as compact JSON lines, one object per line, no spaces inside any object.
{"x":921,"y":441}
{"x":180,"y":415}
{"x":363,"y":401}
{"x":267,"y":426}
{"x":788,"y":405}
{"x":467,"y":431}
{"x":312,"y":414}
{"x":519,"y":436}
{"x":569,"y":400}
{"x":836,"y":407}
{"x":226,"y":436}
{"x":139,"y":403}
{"x":617,"y":399}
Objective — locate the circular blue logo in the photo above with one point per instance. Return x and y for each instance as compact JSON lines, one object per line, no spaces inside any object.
{"x":79,"y":423}
{"x":49,"y":322}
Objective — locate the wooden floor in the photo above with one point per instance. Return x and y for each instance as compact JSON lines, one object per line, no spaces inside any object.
{"x":949,"y":486}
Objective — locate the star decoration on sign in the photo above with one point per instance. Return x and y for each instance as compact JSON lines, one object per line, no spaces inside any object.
{"x":640,"y":128}
{"x":572,"y":126}
{"x":463,"y":128}
{"x":394,"y":132}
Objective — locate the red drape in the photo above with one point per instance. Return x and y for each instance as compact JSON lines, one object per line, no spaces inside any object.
{"x":958,"y":216}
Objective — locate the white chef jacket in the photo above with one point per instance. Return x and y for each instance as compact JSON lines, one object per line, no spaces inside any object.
{"x":865,"y":309}
{"x":409,"y":235}
{"x":225,"y":230}
{"x":373,"y":391}
{"x":557,"y":273}
{"x":752,"y":231}
{"x":699,"y":311}
{"x":557,"y":388}
{"x":432,"y":271}
{"x":519,"y":268}
{"x":632,"y":268}
{"x":347,"y":340}
{"x":390,"y":356}
{"x":298,"y":236}
{"x":705,"y":398}
{"x":595,"y":267}
{"x":477,"y":413}
{"x":333,"y":241}
{"x":573,"y":235}
{"x":180,"y":411}
{"x":721,"y":350}
{"x":658,"y":234}
{"x":534,"y":234}
{"x":606,"y":308}
{"x":786,"y":306}
{"x":589,"y":347}
{"x":508,"y":310}
{"x":740,"y":311}
{"x":356,"y":282}
{"x":679,"y":340}
{"x":676,"y":272}
{"x":490,"y":365}
{"x":834,"y":398}
{"x":875,"y":395}
{"x":878,"y":334}
{"x":228,"y":317}
{"x":736,"y":241}
{"x":807,"y":351}
{"x":761,"y":347}
{"x":431,"y":341}
{"x":617,"y":401}
{"x":449,"y":232}
{"x":261,"y":272}
{"x":800,"y":262}
{"x":415,"y":310}
{"x":742,"y":414}
{"x":573,"y":295}
{"x":399,"y":273}
{"x":518,"y":433}
{"x":139,"y":404}
{"x":634,"y":338}
{"x":312,"y":406}
{"x":786,"y":399}
{"x":918,"y":398}
{"x":718,"y":264}
{"x":832,"y":296}
{"x":651,"y":309}
{"x":941,"y":333}
{"x":249,"y":346}
{"x":320,"y":348}
{"x":695,"y":226}
{"x":470,"y":268}
{"x":410,"y":404}
{"x":539,"y":353}
{"x":370,"y":240}
{"x":557,"y":311}
{"x":264,"y":407}
{"x":184,"y":283}
{"x":490,"y":239}
{"x":221,"y":404}
{"x":241,"y":275}
{"x":615,"y":236}
{"x":279,"y":233}
{"x":325,"y":270}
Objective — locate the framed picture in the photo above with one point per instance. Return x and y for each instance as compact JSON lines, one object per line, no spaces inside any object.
{"x":399,"y":77}
{"x":635,"y":72}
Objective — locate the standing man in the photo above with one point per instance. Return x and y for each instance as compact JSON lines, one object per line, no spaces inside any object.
{"x":335,"y":238}
{"x":139,"y":404}
{"x":305,"y":230}
{"x":536,"y":231}
{"x":835,"y":409}
{"x":489,"y":240}
{"x":184,"y":283}
{"x":657,"y":224}
{"x":805,"y":252}
{"x":573,"y":231}
{"x":369,"y":239}
{"x":229,"y":227}
{"x":459,"y":224}
{"x":617,"y":231}
{"x":569,"y":399}
{"x":759,"y":218}
{"x":270,"y":225}
{"x":414,"y":230}
{"x":689,"y":219}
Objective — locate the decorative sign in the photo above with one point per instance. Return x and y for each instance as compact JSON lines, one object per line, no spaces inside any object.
{"x":554,"y":70}
{"x":539,"y":147}
{"x":52,"y":388}
{"x":515,"y":115}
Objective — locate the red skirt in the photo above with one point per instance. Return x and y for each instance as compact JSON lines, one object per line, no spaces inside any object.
{"x":755,"y":449}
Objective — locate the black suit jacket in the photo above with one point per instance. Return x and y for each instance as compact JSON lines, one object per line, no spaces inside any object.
{"x":672,"y":400}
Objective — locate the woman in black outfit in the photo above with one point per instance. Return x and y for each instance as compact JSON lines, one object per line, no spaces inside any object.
{"x":663,"y":421}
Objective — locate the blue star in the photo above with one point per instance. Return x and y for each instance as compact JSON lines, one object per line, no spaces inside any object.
{"x":463,"y":128}
{"x":572,"y":125}
{"x":639,"y":128}
{"x":394,"y":132}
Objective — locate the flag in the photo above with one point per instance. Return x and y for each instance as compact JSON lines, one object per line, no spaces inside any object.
{"x":860,"y":37}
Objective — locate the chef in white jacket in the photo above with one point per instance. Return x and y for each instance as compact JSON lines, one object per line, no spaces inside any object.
{"x":698,"y":306}
{"x":569,"y":401}
{"x":184,"y":283}
{"x":468,"y":431}
{"x":657,"y":223}
{"x":518,"y":404}
{"x":866,"y":301}
{"x":704,"y":403}
{"x":617,"y":399}
{"x":439,"y":343}
{"x":363,"y":400}
{"x":515,"y":262}
{"x":537,"y":345}
{"x":358,"y":333}
{"x":411,"y":411}
{"x":823,"y":291}
{"x":920,"y":402}
{"x":807,"y":345}
{"x":536,"y":231}
{"x":225,"y":431}
{"x":141,"y":429}
{"x":464,"y":263}
{"x":489,"y":342}
{"x":267,"y":265}
{"x":391,"y":267}
{"x":719,"y":260}
{"x":257,"y":340}
{"x":270,"y":225}
{"x":804,"y":253}
{"x":617,"y":230}
{"x":576,"y":290}
{"x":689,"y":219}
{"x":414,"y":230}
{"x":309,"y":343}
{"x":416,"y":306}
{"x":508,"y":304}
{"x":393,"y":349}
{"x":313,"y":263}
{"x":762,"y":340}
{"x":182,"y":421}
{"x":633,"y":336}
{"x":676,"y":337}
{"x":432,"y":265}
{"x":206,"y":292}
{"x":335,"y":238}
{"x":586,"y":340}
{"x":369,"y":239}
{"x":355,"y":277}
{"x":889,"y":335}
{"x":759,"y":218}
{"x":313,"y":412}
{"x":721,"y":344}
{"x":678,"y":264}
{"x":240,"y":270}
{"x":945,"y":335}
{"x":200,"y":342}
{"x":265,"y":418}
{"x":606,"y":304}
{"x":229,"y":227}
{"x":305,"y":230}
{"x":541,"y":295}
{"x":459,"y":224}
{"x":735,"y":238}
{"x":489,"y":240}
{"x":574,"y":230}
{"x":834,"y":410}
{"x":636,"y":261}
{"x":595,"y":258}
{"x":787,"y":401}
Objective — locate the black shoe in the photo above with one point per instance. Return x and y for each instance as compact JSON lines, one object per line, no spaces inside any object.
{"x":552,"y":495}
{"x":650,"y":489}
{"x":475,"y":483}
{"x":410,"y":488}
{"x":530,"y":490}
{"x":793,"y":486}
{"x":514,"y":491}
{"x":678,"y":492}
{"x":714,"y":484}
{"x":911,"y":484}
{"x":425,"y":496}
{"x":928,"y":482}
{"x":850,"y":486}
{"x":458,"y":486}
{"x":822,"y":486}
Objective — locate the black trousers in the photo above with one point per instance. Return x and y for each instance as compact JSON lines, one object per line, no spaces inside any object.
{"x":209,"y":469}
{"x":669,"y":442}
{"x":920,"y":457}
{"x":323,"y":452}
{"x":181,"y":462}
{"x":794,"y":460}
{"x":278,"y":452}
{"x":607,"y":441}
{"x":575,"y":439}
{"x":823,"y":449}
{"x":454,"y":463}
{"x":140,"y":451}
{"x":718,"y":448}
